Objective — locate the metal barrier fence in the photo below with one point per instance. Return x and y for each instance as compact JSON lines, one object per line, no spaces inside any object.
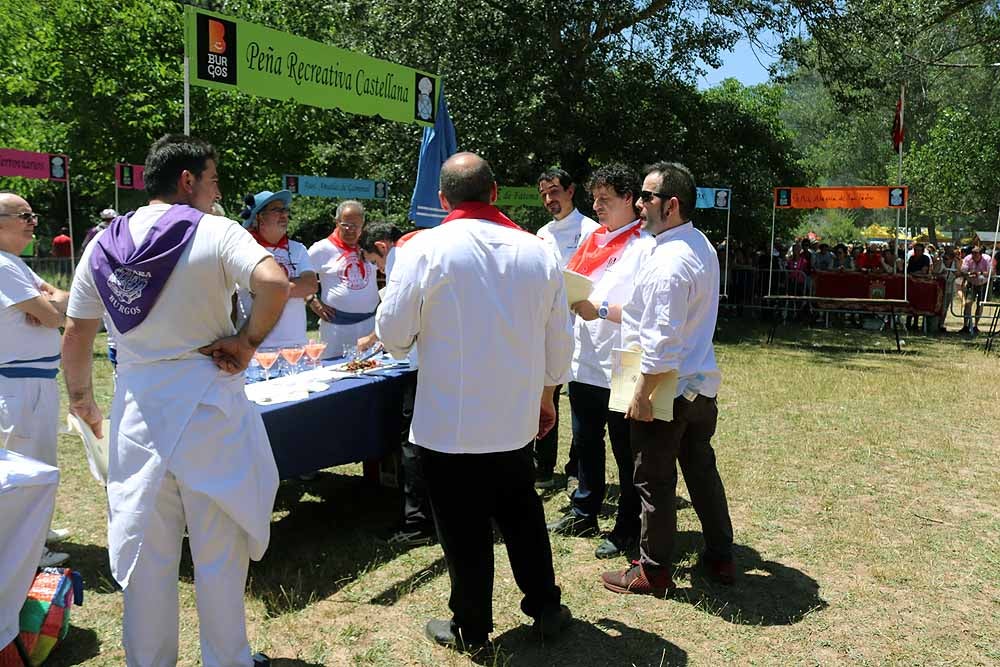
{"x":749,"y":285}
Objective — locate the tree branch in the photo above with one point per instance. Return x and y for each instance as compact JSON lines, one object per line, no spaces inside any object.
{"x":930,"y":63}
{"x":606,"y":30}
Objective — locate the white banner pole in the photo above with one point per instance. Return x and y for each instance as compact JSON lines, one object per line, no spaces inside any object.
{"x":989,"y":279}
{"x":69,"y":219}
{"x":729,"y":249}
{"x":187,"y":97}
{"x":770,"y":253}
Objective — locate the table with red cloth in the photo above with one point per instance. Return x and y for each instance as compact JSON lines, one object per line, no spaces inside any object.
{"x":924,"y":293}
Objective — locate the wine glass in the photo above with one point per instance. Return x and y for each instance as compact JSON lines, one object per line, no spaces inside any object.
{"x":266,"y":356}
{"x":349,"y":352}
{"x":314,"y":351}
{"x":292,"y":355}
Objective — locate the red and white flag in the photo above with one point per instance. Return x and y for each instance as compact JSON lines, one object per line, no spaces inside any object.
{"x":898,"y":129}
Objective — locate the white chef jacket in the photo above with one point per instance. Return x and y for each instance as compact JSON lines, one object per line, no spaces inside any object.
{"x":594,"y":340}
{"x":486,"y":308}
{"x":163,"y":382}
{"x":565,"y":236}
{"x":672,"y":311}
{"x":291,"y":326}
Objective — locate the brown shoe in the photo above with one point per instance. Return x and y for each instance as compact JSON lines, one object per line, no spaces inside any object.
{"x":638,"y":581}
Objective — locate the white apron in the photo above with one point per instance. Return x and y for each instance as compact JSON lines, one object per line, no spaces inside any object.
{"x":197,"y":423}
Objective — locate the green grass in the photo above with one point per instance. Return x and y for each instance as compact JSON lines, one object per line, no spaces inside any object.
{"x":864,"y":497}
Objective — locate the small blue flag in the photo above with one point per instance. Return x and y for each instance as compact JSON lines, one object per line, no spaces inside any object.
{"x":438,"y":145}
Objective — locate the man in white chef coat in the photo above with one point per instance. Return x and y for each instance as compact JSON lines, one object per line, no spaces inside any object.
{"x":31,"y":312}
{"x":348,"y":294}
{"x":564,"y":234}
{"x":187,"y":448}
{"x":484,"y":304}
{"x":610,"y":257}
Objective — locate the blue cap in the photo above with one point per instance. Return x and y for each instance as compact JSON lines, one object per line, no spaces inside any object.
{"x":254,"y":204}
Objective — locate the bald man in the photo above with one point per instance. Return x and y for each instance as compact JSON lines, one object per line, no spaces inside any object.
{"x":31,"y":312}
{"x":348,"y":288}
{"x":484,"y":304}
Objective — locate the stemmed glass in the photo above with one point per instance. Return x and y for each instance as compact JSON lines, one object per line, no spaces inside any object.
{"x":292,"y":356}
{"x":266,"y":356}
{"x":314,"y":351}
{"x":350,"y":351}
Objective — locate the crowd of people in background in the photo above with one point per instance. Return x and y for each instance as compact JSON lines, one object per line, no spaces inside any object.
{"x":965,"y":269}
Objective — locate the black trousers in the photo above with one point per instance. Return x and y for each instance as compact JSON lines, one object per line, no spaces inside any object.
{"x":547,"y":449}
{"x":416,"y":505}
{"x":589,"y":405}
{"x":658,"y":446}
{"x":466,"y":491}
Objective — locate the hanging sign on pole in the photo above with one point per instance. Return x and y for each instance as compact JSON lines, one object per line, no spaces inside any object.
{"x":49,"y":166}
{"x":335,"y":188}
{"x":875,"y":196}
{"x":227,"y":53}
{"x":509,"y":195}
{"x":130,"y":176}
{"x":713,"y":198}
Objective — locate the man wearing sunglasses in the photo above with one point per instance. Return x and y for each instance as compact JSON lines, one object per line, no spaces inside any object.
{"x":671,"y":317}
{"x":31,"y":312}
{"x":610,"y":257}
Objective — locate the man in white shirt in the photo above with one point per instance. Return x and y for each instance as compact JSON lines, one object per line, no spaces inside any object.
{"x":564,"y":234}
{"x":671,"y":318}
{"x":266,"y":217}
{"x":610,"y":257}
{"x":31,"y":312}
{"x":348,"y":285}
{"x":484,"y":303}
{"x":187,"y":450}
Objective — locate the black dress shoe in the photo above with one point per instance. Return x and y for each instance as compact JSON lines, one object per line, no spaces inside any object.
{"x":446,"y":633}
{"x":575,"y":526}
{"x":552,"y":622}
{"x":260,"y":660}
{"x":613,"y":547}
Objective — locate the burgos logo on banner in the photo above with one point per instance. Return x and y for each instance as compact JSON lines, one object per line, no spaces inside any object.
{"x":216,"y":50}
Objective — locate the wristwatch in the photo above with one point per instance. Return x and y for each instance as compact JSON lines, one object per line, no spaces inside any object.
{"x":602,"y":312}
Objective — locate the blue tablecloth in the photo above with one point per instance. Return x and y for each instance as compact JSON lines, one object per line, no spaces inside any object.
{"x":356,"y":419}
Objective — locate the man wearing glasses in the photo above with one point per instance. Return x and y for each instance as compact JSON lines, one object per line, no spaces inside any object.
{"x":671,"y":317}
{"x":976,"y":269}
{"x":610,"y":257}
{"x":31,"y":312}
{"x":266,"y":217}
{"x":348,"y":287}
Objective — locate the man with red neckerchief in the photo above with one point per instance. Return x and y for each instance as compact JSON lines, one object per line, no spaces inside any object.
{"x":348,"y":287}
{"x":610,"y":257}
{"x":484,"y":303}
{"x":266,"y":217}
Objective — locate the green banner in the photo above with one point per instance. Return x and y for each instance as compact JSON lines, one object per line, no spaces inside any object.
{"x":526,"y":195}
{"x":229,"y":54}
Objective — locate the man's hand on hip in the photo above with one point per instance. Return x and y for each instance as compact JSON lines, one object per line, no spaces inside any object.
{"x":231,"y":354}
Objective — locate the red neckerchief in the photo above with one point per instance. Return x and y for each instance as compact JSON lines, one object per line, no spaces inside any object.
{"x":282,"y":243}
{"x":590,"y":256}
{"x":346,"y":249}
{"x":476,"y":210}
{"x":406,"y":237}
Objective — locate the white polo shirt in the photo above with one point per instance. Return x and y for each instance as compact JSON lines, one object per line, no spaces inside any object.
{"x":23,"y":345}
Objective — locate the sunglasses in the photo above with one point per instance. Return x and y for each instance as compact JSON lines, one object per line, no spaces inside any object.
{"x":647,"y":196}
{"x":26,"y":218}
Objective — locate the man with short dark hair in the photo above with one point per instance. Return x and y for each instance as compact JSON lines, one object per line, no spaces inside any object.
{"x":484,"y":304}
{"x":610,"y":258}
{"x":564,"y":234}
{"x":671,"y":318}
{"x":188,"y":450}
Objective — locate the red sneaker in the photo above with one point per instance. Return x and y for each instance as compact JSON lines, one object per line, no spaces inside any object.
{"x":638,"y":581}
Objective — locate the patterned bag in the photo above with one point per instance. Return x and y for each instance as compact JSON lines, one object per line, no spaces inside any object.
{"x":45,"y":615}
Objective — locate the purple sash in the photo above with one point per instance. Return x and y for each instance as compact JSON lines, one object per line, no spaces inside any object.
{"x":130,"y":279}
